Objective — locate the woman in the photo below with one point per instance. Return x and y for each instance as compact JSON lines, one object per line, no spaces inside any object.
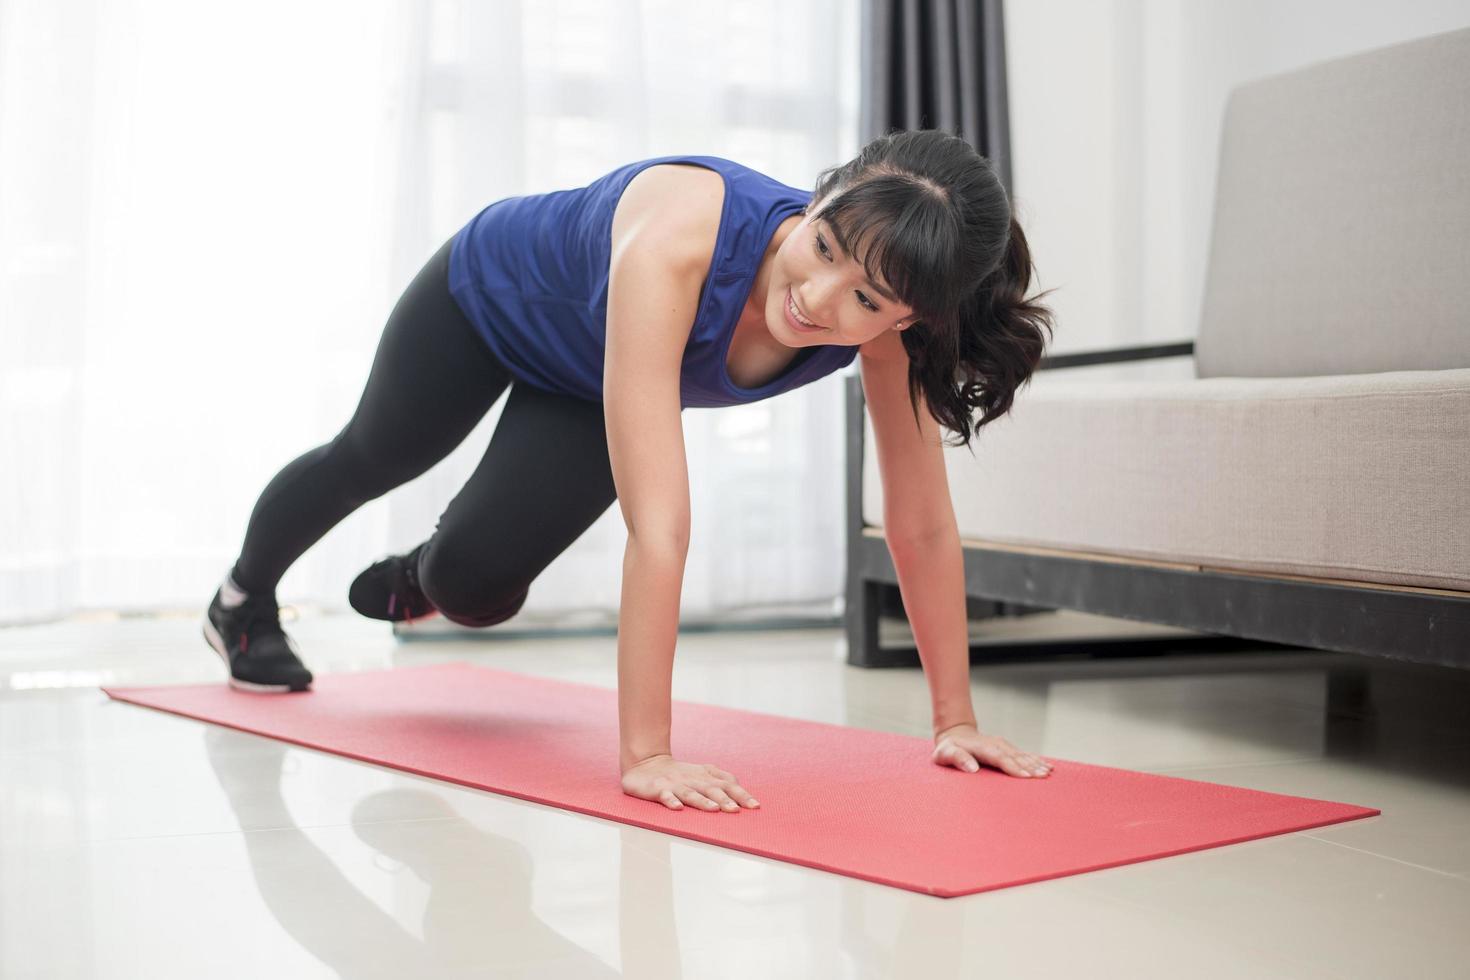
{"x":668,"y":283}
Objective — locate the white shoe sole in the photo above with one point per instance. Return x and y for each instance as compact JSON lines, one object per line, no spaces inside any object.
{"x":217,"y":643}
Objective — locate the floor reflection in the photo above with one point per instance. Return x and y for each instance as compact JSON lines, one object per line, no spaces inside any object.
{"x":478,"y":916}
{"x":478,"y":913}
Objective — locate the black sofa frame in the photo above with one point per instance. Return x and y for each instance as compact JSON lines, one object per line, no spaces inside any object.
{"x":1427,"y":626}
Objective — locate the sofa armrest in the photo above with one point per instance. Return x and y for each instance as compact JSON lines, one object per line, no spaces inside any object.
{"x":1057,"y":361}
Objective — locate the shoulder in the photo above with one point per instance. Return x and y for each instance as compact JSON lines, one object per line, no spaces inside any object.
{"x":885,"y":349}
{"x":672,"y":209}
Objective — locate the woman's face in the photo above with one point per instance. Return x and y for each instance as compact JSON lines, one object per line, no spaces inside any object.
{"x":830,"y":289}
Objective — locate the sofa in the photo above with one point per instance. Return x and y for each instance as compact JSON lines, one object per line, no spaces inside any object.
{"x":1309,"y":486}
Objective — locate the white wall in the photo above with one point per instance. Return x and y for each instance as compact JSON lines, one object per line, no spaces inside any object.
{"x":1115,"y":121}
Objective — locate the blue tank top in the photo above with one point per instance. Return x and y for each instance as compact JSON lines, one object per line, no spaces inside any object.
{"x":531,"y":275}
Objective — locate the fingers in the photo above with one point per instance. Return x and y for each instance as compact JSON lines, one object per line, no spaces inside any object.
{"x":709,"y":798}
{"x":1029,"y":765}
{"x":1013,"y":761}
{"x":726,"y":788}
{"x":742,"y":797}
{"x":721,"y":797}
{"x":696,"y":798}
{"x":1003,"y":756}
{"x":1013,"y":766}
{"x":1023,"y":764}
{"x":959,"y":758}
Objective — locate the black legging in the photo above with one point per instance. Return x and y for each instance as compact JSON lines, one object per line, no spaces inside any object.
{"x":544,"y":479}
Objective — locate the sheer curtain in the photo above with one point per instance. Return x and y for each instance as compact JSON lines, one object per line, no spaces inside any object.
{"x":207,"y":210}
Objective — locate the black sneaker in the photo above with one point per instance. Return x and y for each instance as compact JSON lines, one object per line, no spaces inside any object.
{"x":249,"y":639}
{"x":389,"y":590}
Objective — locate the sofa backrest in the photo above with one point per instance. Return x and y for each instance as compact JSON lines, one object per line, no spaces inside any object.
{"x":1341,"y":232}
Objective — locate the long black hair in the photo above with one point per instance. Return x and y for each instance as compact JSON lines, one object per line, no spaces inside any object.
{"x":927,"y":213}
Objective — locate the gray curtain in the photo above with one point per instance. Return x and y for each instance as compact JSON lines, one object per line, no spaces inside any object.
{"x":937,"y":64}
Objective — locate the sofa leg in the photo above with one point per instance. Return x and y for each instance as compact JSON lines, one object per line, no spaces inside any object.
{"x":864,"y":603}
{"x":1352,"y":722}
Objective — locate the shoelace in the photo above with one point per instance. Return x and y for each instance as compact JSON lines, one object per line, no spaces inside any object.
{"x":257,"y":615}
{"x":411,"y":569}
{"x":414,"y":602}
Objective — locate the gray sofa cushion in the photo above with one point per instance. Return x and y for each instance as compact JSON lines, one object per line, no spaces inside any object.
{"x":1341,"y":238}
{"x":1358,"y":477}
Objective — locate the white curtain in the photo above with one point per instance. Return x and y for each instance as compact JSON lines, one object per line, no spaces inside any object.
{"x":207,"y":210}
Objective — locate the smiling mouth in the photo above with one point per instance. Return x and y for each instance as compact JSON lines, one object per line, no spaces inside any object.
{"x":796,"y":313}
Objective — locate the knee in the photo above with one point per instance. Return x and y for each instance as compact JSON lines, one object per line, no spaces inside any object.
{"x":489,"y":617}
{"x":466,"y":588}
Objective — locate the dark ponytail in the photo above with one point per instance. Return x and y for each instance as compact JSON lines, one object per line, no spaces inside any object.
{"x":993,"y":347}
{"x":938,"y":226}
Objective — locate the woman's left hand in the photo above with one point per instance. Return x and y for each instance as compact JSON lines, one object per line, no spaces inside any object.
{"x":963,"y":747}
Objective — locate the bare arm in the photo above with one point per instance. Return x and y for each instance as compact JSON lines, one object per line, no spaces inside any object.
{"x":923,"y":538}
{"x":663,"y":236}
{"x":919,"y":523}
{"x":647,"y":302}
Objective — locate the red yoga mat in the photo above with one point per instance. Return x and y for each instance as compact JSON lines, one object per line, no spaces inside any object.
{"x":861,"y":803}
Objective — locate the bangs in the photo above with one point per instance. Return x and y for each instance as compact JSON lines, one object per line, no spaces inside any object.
{"x":904,"y":236}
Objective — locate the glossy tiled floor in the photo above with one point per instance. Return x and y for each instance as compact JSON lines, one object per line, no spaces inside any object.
{"x":137,"y":844}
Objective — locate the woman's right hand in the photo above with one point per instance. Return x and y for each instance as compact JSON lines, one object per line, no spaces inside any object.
{"x":665,"y":780}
